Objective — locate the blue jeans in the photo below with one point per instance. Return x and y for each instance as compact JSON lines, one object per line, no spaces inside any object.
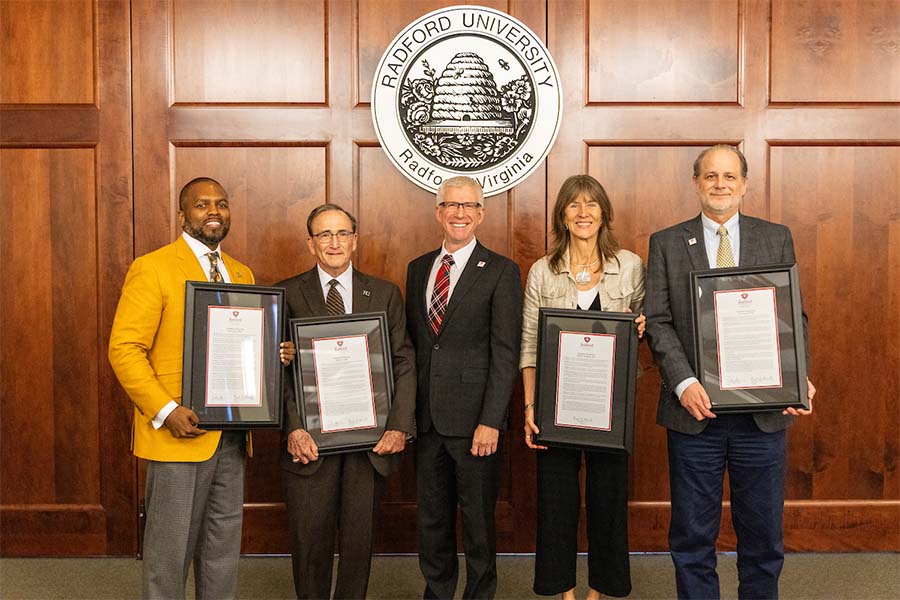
{"x":756,"y":463}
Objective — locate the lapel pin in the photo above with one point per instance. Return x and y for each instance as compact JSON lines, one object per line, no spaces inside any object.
{"x":692,"y":241}
{"x":366,"y":293}
{"x":480,"y":264}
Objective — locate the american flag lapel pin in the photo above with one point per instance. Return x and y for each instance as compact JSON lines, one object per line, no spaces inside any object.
{"x":480,"y":264}
{"x":692,"y":241}
{"x":367,"y":293}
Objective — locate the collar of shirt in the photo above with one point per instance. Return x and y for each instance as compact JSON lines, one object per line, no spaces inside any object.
{"x":345,"y":285}
{"x":460,"y":257}
{"x":711,"y":237}
{"x":200,"y":250}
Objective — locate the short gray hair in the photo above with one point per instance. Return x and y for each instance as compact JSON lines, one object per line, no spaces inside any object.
{"x":734,"y":149}
{"x":460,"y":181}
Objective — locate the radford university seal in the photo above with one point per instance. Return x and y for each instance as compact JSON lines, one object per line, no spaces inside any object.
{"x":466,"y":90}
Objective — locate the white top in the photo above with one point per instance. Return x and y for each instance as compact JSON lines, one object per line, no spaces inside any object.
{"x":587,"y":297}
{"x":460,"y":258}
{"x":344,"y":286}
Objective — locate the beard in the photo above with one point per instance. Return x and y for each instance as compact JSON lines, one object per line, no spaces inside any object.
{"x":207,"y":238}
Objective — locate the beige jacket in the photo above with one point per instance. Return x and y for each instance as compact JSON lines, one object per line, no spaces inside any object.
{"x":621,"y":287}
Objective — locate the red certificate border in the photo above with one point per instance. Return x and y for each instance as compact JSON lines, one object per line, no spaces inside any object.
{"x":371,"y":383}
{"x":262,"y":337}
{"x":612,"y":376}
{"x":719,"y":351}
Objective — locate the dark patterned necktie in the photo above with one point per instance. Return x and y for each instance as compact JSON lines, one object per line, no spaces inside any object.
{"x":215,"y":275}
{"x":440,"y":295}
{"x":334,"y":302}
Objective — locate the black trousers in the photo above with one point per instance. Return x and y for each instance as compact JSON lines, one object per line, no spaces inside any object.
{"x":446,"y":475}
{"x":558,"y":507}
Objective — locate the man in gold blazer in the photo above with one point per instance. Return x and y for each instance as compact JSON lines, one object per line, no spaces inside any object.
{"x":195,"y":478}
{"x":340,"y":493}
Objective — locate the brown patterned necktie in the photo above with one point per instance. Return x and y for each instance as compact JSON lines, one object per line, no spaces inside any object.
{"x":334,"y":302}
{"x":724,"y":255}
{"x":215,"y":275}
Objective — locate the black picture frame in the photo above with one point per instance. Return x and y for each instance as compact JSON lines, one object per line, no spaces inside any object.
{"x":783,"y":283}
{"x":552,"y":322}
{"x":304,"y":332}
{"x":202,"y":302}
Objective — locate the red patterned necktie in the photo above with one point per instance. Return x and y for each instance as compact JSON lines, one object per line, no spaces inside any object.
{"x":440,"y":295}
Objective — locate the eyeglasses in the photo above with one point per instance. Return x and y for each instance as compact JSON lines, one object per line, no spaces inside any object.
{"x":325,"y":237}
{"x":468,"y":207}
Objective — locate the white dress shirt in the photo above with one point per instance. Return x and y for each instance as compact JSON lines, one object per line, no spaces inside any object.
{"x":344,"y":285}
{"x":460,"y":258}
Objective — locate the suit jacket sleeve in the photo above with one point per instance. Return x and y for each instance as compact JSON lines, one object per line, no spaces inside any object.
{"x":134,"y":329}
{"x":403,"y":358}
{"x":790,"y":257}
{"x":667,"y":348}
{"x":506,"y":328}
{"x":288,"y":391}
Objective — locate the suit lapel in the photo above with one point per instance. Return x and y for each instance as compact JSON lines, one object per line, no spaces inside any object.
{"x":187,"y":261}
{"x":235,"y":270}
{"x":420,"y":283}
{"x":362,"y":295}
{"x":695,"y":244}
{"x":311,"y":290}
{"x":749,"y":254}
{"x":474,"y":268}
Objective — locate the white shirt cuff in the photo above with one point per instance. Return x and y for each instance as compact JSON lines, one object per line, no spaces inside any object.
{"x":679,"y":389}
{"x":160,"y":419}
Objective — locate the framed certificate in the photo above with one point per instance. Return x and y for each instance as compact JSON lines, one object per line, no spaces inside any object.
{"x":231,"y":370}
{"x":343,"y":379}
{"x":585,"y":379}
{"x":750,"y":349}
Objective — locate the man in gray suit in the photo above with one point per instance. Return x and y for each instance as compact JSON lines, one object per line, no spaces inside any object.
{"x":341,"y":492}
{"x":701,"y":444}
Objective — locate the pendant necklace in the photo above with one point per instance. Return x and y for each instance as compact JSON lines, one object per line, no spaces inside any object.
{"x":584,"y":276}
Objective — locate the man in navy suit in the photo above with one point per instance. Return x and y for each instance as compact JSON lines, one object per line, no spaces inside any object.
{"x":464,"y":313}
{"x":701,"y":444}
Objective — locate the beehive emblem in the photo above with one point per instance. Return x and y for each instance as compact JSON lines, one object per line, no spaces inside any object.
{"x":461,"y":119}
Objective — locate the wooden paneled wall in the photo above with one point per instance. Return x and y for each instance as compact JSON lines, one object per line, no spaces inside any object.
{"x":100,"y":129}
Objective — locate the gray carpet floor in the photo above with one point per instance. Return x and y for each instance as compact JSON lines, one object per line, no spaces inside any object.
{"x":805,"y":576}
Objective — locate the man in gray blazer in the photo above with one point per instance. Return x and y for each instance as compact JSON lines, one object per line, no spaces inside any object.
{"x":701,"y":444}
{"x":341,"y":492}
{"x":464,"y":310}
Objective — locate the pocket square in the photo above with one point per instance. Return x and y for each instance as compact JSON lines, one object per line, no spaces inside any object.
{"x":480,"y":264}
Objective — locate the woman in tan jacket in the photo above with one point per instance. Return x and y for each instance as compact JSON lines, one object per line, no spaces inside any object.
{"x":585,"y":269}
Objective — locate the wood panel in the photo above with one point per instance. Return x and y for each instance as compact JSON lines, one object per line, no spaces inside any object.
{"x":839,"y":51}
{"x":65,"y":199}
{"x":843,"y":203}
{"x":47,"y":52}
{"x":250,"y":51}
{"x":658,"y":51}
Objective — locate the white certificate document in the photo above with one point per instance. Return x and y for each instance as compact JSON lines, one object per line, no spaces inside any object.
{"x":344,"y":383}
{"x":234,"y":356}
{"x":584,"y":383}
{"x":747,"y":339}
